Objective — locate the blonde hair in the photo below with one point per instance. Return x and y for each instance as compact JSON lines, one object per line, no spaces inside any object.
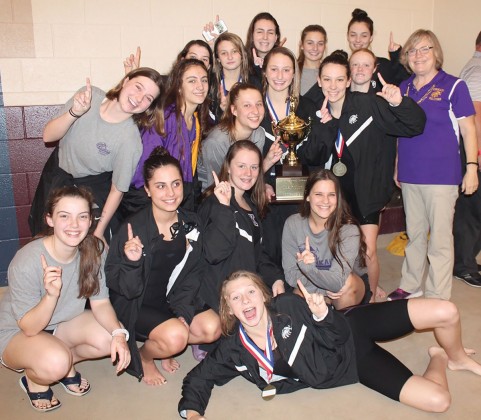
{"x":227,"y":318}
{"x":417,"y":37}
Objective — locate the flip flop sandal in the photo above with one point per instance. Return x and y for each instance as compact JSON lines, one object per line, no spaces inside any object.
{"x":35,"y":396}
{"x":74,"y":380}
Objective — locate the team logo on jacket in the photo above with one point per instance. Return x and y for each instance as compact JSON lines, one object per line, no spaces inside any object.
{"x":353,"y":119}
{"x":286,"y":332}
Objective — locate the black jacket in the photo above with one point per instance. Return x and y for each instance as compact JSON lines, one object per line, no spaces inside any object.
{"x":321,"y":355}
{"x":127,"y":279}
{"x":229,"y":246}
{"x":373,"y":125}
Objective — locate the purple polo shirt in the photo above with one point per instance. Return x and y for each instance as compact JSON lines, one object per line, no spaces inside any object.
{"x":179,"y":145}
{"x":433,"y":157}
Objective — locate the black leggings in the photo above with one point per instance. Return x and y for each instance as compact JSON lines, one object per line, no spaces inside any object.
{"x":377,"y":368}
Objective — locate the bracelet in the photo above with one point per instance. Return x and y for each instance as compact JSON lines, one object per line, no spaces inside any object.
{"x":472,"y":163}
{"x":73,"y":114}
{"x":121,"y":331}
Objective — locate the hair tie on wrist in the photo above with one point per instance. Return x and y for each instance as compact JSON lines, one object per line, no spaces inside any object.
{"x":73,"y":114}
{"x":121,"y":331}
{"x":472,"y":163}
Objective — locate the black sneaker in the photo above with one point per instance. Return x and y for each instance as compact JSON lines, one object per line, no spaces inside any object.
{"x":473,"y":279}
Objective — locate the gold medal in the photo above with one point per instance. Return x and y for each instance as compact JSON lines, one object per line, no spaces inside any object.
{"x":339,"y":169}
{"x":269,"y":392}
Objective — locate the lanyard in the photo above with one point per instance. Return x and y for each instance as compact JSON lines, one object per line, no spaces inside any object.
{"x":265,"y":359}
{"x":272,"y":111}
{"x":222,"y":81}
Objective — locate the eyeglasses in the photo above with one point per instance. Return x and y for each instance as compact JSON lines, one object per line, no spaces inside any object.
{"x":422,"y":50}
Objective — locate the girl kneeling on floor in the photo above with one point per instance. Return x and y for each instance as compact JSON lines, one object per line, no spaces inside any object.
{"x":44,"y":326}
{"x":154,"y":271}
{"x":323,"y":245}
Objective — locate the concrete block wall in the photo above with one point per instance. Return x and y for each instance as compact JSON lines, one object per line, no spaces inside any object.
{"x":48,"y":47}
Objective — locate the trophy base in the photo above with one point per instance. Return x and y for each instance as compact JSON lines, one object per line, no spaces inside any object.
{"x":290,"y":182}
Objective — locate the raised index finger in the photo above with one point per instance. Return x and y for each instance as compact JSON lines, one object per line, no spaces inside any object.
{"x":306,"y":294}
{"x":44,"y":261}
{"x":130,"y":233}
{"x":381,"y":79}
{"x":308,"y":248}
{"x":324,"y":104}
{"x":254,"y":53}
{"x":216,"y":179}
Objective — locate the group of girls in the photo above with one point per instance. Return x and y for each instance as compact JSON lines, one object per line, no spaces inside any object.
{"x":166,"y":264}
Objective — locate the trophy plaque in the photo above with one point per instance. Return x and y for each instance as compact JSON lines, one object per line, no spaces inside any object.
{"x":291,"y":176}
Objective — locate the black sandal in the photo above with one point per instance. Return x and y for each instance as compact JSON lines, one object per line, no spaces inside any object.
{"x":35,"y":396}
{"x":74,"y":380}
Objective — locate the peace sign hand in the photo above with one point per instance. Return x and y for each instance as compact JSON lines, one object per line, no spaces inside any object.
{"x":52,"y":278}
{"x":324,"y":112}
{"x":258,"y":61}
{"x":222,"y":190}
{"x":390,"y":93}
{"x":132,"y":62}
{"x":316,"y":301}
{"x":133,"y":246}
{"x":82,"y":100}
{"x":307,"y":257}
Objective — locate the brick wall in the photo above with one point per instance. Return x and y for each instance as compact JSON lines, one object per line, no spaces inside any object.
{"x":22,"y":157}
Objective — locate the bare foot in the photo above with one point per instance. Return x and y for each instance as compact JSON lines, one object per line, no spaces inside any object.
{"x":380,"y":293}
{"x":170,"y":365}
{"x":465,"y":363}
{"x":152,"y":375}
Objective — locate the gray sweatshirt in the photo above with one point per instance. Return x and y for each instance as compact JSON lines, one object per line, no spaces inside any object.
{"x":325,"y":274}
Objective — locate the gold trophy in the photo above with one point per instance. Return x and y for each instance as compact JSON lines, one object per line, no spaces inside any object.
{"x":291,"y":176}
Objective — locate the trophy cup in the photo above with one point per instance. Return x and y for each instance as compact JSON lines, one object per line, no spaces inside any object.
{"x":291,"y":176}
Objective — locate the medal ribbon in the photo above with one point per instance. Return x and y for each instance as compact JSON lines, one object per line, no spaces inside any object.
{"x":272,"y":111}
{"x":339,"y":144}
{"x":195,"y":143}
{"x":222,"y":81}
{"x":265,"y":359}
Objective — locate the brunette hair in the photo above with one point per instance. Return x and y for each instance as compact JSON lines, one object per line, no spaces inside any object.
{"x":310,"y":28}
{"x":258,"y":191}
{"x":250,"y":33}
{"x":336,"y":57}
{"x":147,"y":118}
{"x":174,"y":101}
{"x":359,"y":15}
{"x":237,"y":42}
{"x":227,"y":123}
{"x":186,"y":49}
{"x":158,"y":158}
{"x":337,"y":219}
{"x":414,"y":39}
{"x":91,"y":247}
{"x":294,"y":88}
{"x":227,"y":319}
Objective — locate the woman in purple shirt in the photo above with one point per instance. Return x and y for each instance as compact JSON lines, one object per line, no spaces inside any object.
{"x":429,"y":167}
